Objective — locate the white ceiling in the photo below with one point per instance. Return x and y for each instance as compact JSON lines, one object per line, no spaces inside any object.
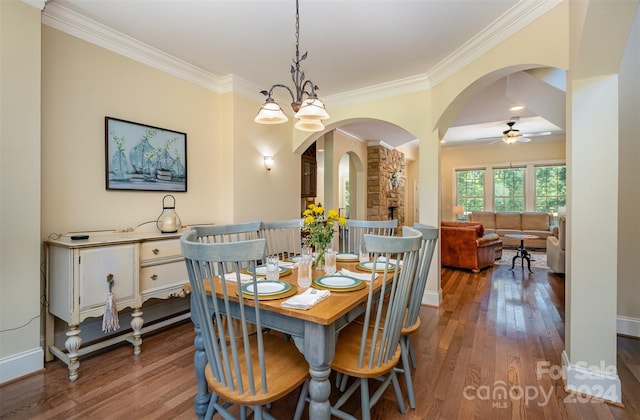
{"x":354,"y":46}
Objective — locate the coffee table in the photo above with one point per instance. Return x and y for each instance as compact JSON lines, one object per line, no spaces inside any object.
{"x":521,"y":252}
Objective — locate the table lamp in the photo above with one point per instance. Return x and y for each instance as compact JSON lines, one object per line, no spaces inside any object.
{"x":457,"y":211}
{"x":168,"y":221}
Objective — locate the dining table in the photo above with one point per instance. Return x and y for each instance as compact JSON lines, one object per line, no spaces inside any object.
{"x":314,"y":331}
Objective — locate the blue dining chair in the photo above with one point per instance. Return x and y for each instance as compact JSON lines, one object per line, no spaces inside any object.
{"x":244,"y":368}
{"x":371,"y":349}
{"x":284,"y":237}
{"x":411,"y":321}
{"x":352,"y":233}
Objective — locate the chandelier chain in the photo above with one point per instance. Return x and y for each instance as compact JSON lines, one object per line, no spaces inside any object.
{"x":297,"y":29}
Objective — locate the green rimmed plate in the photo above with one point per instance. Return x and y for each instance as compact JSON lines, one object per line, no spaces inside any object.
{"x":347,"y":257}
{"x":292,"y":290}
{"x":338,"y":283}
{"x":261,"y":271}
{"x":266,"y":288}
{"x":368,"y":266}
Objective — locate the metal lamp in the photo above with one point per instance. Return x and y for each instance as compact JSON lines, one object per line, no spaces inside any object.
{"x":168,"y":221}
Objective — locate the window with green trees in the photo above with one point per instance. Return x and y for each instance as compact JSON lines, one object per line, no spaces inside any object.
{"x":470,"y":189}
{"x":551,"y":187}
{"x":508,"y":187}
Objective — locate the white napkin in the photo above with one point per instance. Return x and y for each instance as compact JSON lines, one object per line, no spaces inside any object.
{"x":391,"y":260}
{"x":360,"y":276}
{"x":244,"y":278}
{"x":306,"y":300}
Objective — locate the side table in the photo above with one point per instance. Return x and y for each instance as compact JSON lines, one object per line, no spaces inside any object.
{"x":521,"y":252}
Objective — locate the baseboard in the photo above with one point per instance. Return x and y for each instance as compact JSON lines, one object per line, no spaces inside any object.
{"x":591,"y":383}
{"x":432,"y":298}
{"x":21,"y":364}
{"x":628,"y":326}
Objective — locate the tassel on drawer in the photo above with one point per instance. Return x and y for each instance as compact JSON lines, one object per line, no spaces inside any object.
{"x":110,"y":320}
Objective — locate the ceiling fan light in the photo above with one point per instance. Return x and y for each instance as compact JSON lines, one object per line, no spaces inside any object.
{"x":270,"y":113}
{"x":309,"y":124}
{"x":312,"y":108}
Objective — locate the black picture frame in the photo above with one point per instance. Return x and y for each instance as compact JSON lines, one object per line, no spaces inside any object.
{"x":142,"y":157}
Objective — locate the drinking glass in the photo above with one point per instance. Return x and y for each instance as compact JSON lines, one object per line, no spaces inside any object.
{"x":307,"y":252}
{"x":364,"y":255}
{"x":304,"y":271}
{"x":273,"y":269}
{"x":329,"y":261}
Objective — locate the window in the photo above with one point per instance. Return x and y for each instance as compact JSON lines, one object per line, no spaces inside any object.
{"x":532,"y":186}
{"x":551,"y":187}
{"x":508,"y":189}
{"x":470,"y":189}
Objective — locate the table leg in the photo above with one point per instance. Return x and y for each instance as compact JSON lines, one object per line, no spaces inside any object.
{"x":527,"y":256}
{"x":319,"y":349}
{"x":202,"y":398}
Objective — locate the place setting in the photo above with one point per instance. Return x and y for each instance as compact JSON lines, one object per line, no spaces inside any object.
{"x":338,"y":283}
{"x":269,"y":289}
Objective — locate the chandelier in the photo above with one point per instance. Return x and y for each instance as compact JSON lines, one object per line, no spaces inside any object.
{"x":310,"y":111}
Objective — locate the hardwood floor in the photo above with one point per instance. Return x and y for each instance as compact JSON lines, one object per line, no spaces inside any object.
{"x":477,"y":358}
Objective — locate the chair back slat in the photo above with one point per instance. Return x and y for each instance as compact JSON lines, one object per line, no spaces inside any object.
{"x":353,"y":232}
{"x":284,"y":237}
{"x":229,"y":356}
{"x":429,"y":240}
{"x":384,"y":312}
{"x":227,"y":233}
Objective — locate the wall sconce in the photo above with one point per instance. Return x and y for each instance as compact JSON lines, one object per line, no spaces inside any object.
{"x":268,"y":162}
{"x":168,"y":221}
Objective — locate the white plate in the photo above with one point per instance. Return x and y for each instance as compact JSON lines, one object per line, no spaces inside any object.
{"x":266,"y":288}
{"x":347,"y":257}
{"x":379,"y":266}
{"x":261,"y":270}
{"x":338,"y":282}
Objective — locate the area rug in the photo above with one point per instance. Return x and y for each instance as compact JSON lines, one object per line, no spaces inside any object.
{"x":538,"y":259}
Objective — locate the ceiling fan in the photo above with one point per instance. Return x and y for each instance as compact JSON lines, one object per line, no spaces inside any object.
{"x":511,"y":135}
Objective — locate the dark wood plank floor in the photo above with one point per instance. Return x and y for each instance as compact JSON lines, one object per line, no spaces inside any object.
{"x":477,"y":355}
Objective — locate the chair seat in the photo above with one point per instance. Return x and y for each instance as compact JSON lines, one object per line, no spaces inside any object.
{"x":411,"y":328}
{"x":345,"y":360}
{"x":280,"y":356}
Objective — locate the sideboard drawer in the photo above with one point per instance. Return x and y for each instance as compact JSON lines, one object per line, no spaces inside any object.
{"x":157,"y":279}
{"x":154,"y":250}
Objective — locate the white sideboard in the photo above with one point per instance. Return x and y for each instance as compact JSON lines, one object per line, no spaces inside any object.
{"x":142,"y":266}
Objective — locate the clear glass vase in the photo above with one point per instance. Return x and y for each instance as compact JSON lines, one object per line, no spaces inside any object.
{"x":119,"y":165}
{"x":320,"y":256}
{"x":139,"y":155}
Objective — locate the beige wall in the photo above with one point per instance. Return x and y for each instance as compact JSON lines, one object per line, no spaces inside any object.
{"x":20,"y":290}
{"x":83,"y":83}
{"x":498,"y":154}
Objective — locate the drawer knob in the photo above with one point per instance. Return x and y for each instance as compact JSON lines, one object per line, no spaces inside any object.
{"x":154,"y":277}
{"x":155,"y":251}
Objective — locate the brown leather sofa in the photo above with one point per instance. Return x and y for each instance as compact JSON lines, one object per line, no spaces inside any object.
{"x":465,"y":245}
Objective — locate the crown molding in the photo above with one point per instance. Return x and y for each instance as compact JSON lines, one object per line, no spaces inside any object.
{"x":349,"y":134}
{"x":72,"y":23}
{"x":383,"y":90}
{"x":512,"y":21}
{"x":379,"y":143}
{"x":38,"y":4}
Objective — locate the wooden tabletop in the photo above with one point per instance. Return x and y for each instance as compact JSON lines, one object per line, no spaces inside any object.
{"x":325,"y":312}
